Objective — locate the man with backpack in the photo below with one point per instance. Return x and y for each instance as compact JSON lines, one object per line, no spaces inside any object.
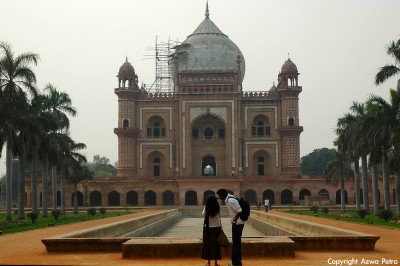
{"x":235,"y":211}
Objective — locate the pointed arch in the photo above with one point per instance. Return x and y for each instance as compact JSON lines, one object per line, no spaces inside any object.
{"x":191,"y":197}
{"x":156,"y":127}
{"x":168,"y":198}
{"x":304,"y":192}
{"x":132,"y":198}
{"x":150,"y":198}
{"x":113,"y":198}
{"x":270,"y":195}
{"x":261,"y":162}
{"x":251,"y":196}
{"x":95,"y":198}
{"x":260,"y":126}
{"x":156,"y":164}
{"x":286,"y":196}
{"x":79,"y":197}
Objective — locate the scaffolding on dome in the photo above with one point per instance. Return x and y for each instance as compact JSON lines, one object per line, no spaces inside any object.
{"x":161,"y":54}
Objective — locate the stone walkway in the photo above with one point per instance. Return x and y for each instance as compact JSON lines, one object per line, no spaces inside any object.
{"x":26,"y":249}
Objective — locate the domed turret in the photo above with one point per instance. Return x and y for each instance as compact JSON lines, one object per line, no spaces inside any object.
{"x":288,"y":77}
{"x":208,"y":48}
{"x":273,"y":88}
{"x":289,"y":67}
{"x":126,"y":73}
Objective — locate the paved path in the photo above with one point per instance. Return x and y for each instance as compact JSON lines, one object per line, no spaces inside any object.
{"x":26,"y":248}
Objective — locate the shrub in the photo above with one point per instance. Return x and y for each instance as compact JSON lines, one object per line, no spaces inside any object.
{"x":385,"y":214}
{"x":102,"y":210}
{"x":33,"y":216}
{"x":91,"y":211}
{"x":325,"y":210}
{"x":55,"y":214}
{"x":314,"y":208}
{"x":362,"y":213}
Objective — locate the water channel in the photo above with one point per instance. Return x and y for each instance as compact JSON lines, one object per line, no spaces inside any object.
{"x":192,"y":227}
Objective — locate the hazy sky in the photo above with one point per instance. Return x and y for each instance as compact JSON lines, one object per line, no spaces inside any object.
{"x":337,"y":46}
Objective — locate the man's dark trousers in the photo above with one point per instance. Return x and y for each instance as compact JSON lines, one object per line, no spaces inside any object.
{"x":237,"y":231}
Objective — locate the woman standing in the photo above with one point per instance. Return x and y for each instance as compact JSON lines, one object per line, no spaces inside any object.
{"x":211,"y":229}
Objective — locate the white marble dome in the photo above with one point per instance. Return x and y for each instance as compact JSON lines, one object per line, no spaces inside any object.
{"x":209,"y":48}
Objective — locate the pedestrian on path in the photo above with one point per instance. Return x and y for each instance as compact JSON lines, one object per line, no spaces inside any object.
{"x":266,"y":204}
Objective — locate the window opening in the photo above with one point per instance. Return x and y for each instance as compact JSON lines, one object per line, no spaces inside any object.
{"x":260,"y":166}
{"x":221,"y":133}
{"x":208,"y":133}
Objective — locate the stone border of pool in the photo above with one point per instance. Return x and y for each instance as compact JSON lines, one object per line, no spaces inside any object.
{"x":289,"y":239}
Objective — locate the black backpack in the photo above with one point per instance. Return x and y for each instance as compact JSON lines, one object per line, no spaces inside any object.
{"x":244,"y":204}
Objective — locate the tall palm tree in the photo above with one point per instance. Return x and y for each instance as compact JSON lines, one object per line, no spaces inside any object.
{"x":70,"y":154}
{"x":44,"y":120}
{"x":30,"y":128}
{"x":16,"y":79}
{"x":395,"y":165}
{"x":385,"y":123}
{"x":78,"y":174}
{"x":77,"y":171}
{"x":353,"y":141}
{"x":336,"y":171}
{"x":375,"y":158}
{"x":389,"y":70}
{"x":60,"y":105}
{"x":361,"y":144}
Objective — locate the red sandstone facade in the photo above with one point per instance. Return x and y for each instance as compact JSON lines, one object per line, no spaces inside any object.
{"x":176,"y":148}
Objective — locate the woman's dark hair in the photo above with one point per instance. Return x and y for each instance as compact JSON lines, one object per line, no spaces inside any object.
{"x":212,"y":206}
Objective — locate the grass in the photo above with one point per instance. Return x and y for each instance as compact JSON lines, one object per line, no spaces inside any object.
{"x":351,"y":216}
{"x":42,"y":222}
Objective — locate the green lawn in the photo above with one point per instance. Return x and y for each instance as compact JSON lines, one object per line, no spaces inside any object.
{"x":351,"y":216}
{"x":26,"y":224}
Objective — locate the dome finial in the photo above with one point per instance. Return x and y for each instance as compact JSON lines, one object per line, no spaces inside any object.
{"x":126,"y":59}
{"x":207,"y":12}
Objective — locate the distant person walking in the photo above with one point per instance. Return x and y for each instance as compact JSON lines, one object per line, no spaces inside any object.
{"x":266,"y":204}
{"x":211,"y":229}
{"x":237,"y":225}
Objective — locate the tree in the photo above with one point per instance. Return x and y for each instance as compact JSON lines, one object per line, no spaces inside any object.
{"x":78,"y":173}
{"x":71,"y":156}
{"x":336,"y":171}
{"x":59,"y":105}
{"x":389,"y":70}
{"x":315,"y":162}
{"x":385,"y":128}
{"x":353,"y":141}
{"x":101,"y":167}
{"x":97,"y":159}
{"x":16,"y":80}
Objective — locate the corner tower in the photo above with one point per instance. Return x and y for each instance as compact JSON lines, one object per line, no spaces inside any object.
{"x":127,"y":131}
{"x":290,"y":129}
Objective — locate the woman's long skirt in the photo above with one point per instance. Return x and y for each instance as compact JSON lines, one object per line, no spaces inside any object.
{"x":211,"y":249}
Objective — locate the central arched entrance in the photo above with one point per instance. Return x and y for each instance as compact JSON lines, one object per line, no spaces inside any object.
{"x":208,"y":166}
{"x":209,"y":145}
